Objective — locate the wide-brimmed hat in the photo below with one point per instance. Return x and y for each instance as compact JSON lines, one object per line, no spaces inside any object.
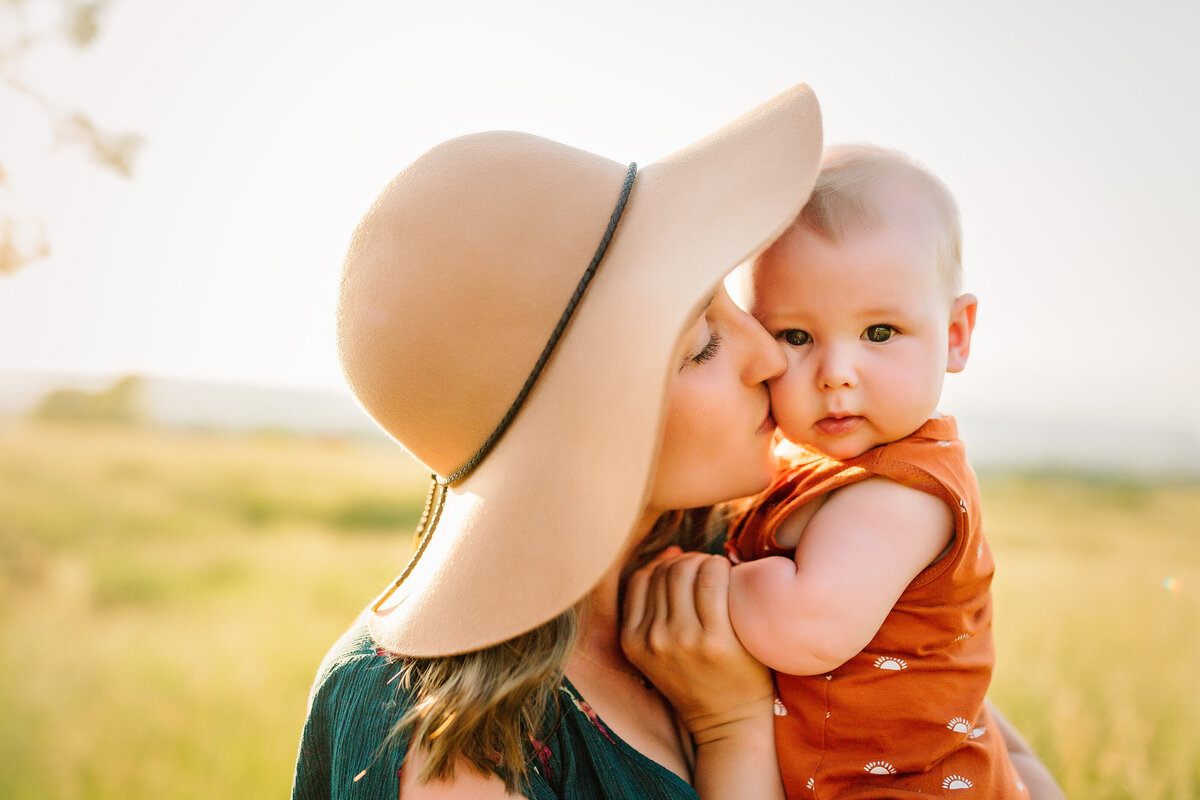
{"x":455,"y":282}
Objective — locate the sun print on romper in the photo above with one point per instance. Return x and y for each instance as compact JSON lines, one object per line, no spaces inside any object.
{"x":887,"y":662}
{"x":959,"y":725}
{"x":956,"y":782}
{"x":780,"y":708}
{"x":880,"y":768}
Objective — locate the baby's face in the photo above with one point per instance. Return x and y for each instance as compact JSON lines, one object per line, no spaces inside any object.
{"x":865,"y":324}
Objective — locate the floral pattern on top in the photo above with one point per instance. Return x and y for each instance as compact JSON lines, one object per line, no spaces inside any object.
{"x":587,"y":711}
{"x":542,"y":752}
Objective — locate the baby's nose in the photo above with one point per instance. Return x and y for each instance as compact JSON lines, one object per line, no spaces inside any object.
{"x":836,"y":370}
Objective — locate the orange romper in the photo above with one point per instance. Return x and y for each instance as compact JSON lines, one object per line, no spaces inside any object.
{"x":905,"y":717}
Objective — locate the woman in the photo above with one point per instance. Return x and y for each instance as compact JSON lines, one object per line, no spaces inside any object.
{"x":563,"y":415}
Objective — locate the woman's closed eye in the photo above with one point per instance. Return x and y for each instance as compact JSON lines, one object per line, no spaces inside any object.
{"x":878,"y":334}
{"x":795,"y":337}
{"x":709,"y":350}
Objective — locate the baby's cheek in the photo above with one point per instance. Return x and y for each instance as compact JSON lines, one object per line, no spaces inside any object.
{"x":791,"y":414}
{"x":787,"y":401}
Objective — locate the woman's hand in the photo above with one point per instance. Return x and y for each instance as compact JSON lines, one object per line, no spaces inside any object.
{"x":676,"y":630}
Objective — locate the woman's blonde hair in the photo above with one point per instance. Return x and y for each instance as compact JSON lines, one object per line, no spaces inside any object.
{"x":482,"y":709}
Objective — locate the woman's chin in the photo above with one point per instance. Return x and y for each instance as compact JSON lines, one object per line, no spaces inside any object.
{"x":766,"y":473}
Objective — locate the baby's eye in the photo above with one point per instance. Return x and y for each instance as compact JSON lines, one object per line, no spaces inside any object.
{"x":795,"y":337}
{"x":879,"y":333}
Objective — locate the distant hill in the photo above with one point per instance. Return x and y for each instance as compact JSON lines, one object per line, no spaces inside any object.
{"x":177,"y":403}
{"x":993,"y":442}
{"x":1055,"y":444}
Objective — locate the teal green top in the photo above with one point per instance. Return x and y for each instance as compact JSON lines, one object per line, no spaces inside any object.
{"x":345,"y":751}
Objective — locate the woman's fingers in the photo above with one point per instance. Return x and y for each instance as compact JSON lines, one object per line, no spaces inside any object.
{"x":642,"y":603}
{"x":677,"y":632}
{"x":680,"y":590}
{"x":633,"y":612}
{"x":711,"y":595}
{"x":678,"y":600}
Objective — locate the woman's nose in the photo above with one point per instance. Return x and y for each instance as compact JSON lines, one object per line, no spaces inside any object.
{"x":764,"y":358}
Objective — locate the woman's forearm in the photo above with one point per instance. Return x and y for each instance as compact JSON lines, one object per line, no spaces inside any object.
{"x":737,"y":760}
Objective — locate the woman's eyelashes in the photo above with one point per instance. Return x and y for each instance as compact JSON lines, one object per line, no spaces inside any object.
{"x":709,"y":350}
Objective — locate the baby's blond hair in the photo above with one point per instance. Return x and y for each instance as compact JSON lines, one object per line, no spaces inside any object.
{"x":848,"y":196}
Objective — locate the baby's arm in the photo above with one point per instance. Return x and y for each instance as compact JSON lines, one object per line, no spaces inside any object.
{"x":855,"y":557}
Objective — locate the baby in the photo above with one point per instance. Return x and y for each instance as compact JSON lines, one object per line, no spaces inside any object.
{"x":862,"y":573}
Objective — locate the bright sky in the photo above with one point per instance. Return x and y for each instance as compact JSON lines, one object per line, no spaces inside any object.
{"x":1067,"y":130}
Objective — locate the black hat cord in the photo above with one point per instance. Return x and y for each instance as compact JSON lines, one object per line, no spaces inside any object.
{"x":438,"y":486}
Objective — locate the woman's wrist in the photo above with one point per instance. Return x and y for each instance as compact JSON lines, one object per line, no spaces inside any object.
{"x":750,"y":723}
{"x":736,"y":757}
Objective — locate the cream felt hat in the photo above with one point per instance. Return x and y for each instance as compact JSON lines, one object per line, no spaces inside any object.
{"x":454,"y":284}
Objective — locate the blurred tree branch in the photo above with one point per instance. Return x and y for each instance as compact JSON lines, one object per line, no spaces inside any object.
{"x":25,"y":27}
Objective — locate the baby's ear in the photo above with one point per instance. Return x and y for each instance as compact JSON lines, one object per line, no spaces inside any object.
{"x":962,"y":324}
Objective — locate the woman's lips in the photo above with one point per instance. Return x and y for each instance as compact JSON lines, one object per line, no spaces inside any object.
{"x":838,"y":426}
{"x":768,"y":425}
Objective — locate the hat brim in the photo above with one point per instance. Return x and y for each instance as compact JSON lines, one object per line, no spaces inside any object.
{"x":550,"y":510}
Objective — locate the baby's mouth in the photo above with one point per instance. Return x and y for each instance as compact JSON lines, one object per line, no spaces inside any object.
{"x":838,"y":426}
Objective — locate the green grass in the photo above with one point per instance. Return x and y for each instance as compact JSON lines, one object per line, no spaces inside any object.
{"x":1098,"y":606}
{"x":165,"y":599}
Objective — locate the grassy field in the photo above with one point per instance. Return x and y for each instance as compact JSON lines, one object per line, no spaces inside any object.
{"x":165,"y":599}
